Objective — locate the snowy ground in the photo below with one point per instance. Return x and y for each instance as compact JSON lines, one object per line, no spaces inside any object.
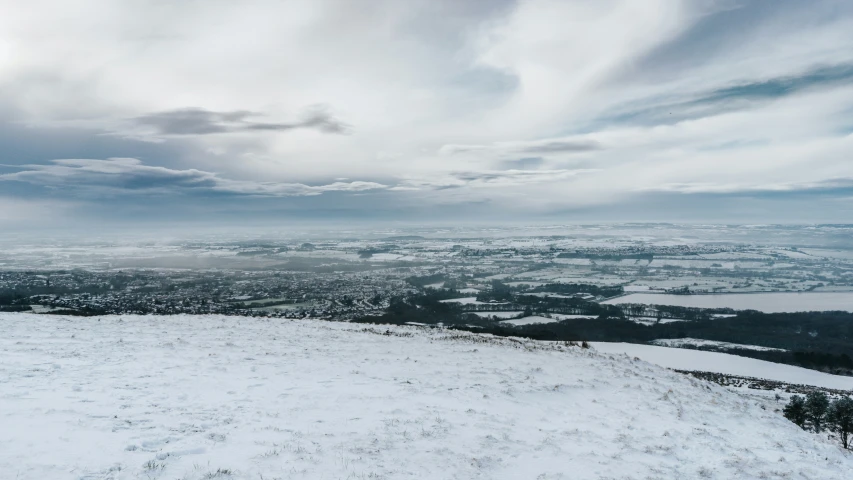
{"x":552,"y":317}
{"x":469,"y":301}
{"x":711,"y":344}
{"x":763,"y":302}
{"x":697,"y":360}
{"x":239,"y":398}
{"x":564,"y":316}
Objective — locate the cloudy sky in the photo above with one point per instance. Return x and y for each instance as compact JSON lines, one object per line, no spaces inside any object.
{"x":147,"y":111}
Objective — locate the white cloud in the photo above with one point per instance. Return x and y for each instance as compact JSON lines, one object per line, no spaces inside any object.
{"x":439,"y":97}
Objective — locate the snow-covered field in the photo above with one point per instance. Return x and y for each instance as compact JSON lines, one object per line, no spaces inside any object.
{"x":684,"y":359}
{"x":468,"y":301}
{"x":551,"y":318}
{"x":713,"y":344}
{"x":530,"y":320}
{"x":212,"y":397}
{"x":547,"y":294}
{"x":764,"y":302}
{"x":565,"y":316}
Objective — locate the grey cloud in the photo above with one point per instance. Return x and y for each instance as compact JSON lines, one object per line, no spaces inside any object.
{"x":724,"y":26}
{"x":532,"y":147}
{"x":670,"y":110}
{"x":24,"y":143}
{"x":198,"y":121}
{"x":526,"y":163}
{"x":191,"y":121}
{"x":778,"y":87}
{"x":126,"y":176}
{"x":561,"y":146}
{"x":321,"y":119}
{"x":123,"y":175}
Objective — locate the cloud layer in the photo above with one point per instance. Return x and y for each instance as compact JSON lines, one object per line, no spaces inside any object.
{"x":522,"y":108}
{"x":198,"y":121}
{"x":120,"y":176}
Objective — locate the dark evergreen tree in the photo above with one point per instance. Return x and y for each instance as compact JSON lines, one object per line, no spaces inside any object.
{"x":816,"y":405}
{"x":795,"y":411}
{"x":839,"y":419}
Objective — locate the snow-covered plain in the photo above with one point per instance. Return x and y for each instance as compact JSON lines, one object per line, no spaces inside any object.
{"x":530,"y":320}
{"x":698,"y":360}
{"x":212,"y":397}
{"x":764,"y":302}
{"x":712,"y":344}
{"x":566,"y":316}
{"x":468,"y":301}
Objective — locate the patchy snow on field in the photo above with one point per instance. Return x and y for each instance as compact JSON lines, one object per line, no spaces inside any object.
{"x":712,"y":344}
{"x":212,"y":397}
{"x":698,"y":360}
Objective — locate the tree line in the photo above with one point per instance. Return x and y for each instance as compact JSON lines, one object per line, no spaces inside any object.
{"x":815,"y":412}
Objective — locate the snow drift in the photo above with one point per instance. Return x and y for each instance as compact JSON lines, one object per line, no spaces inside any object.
{"x":183,"y":397}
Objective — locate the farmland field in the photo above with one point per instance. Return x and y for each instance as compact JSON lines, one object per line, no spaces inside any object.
{"x":763,"y":302}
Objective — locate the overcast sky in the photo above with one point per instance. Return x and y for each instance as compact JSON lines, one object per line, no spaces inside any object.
{"x":123,"y":111}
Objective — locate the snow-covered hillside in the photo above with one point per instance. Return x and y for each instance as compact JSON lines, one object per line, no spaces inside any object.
{"x":718,"y":362}
{"x":227,"y":397}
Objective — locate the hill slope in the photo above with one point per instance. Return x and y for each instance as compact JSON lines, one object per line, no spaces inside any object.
{"x":229,"y":397}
